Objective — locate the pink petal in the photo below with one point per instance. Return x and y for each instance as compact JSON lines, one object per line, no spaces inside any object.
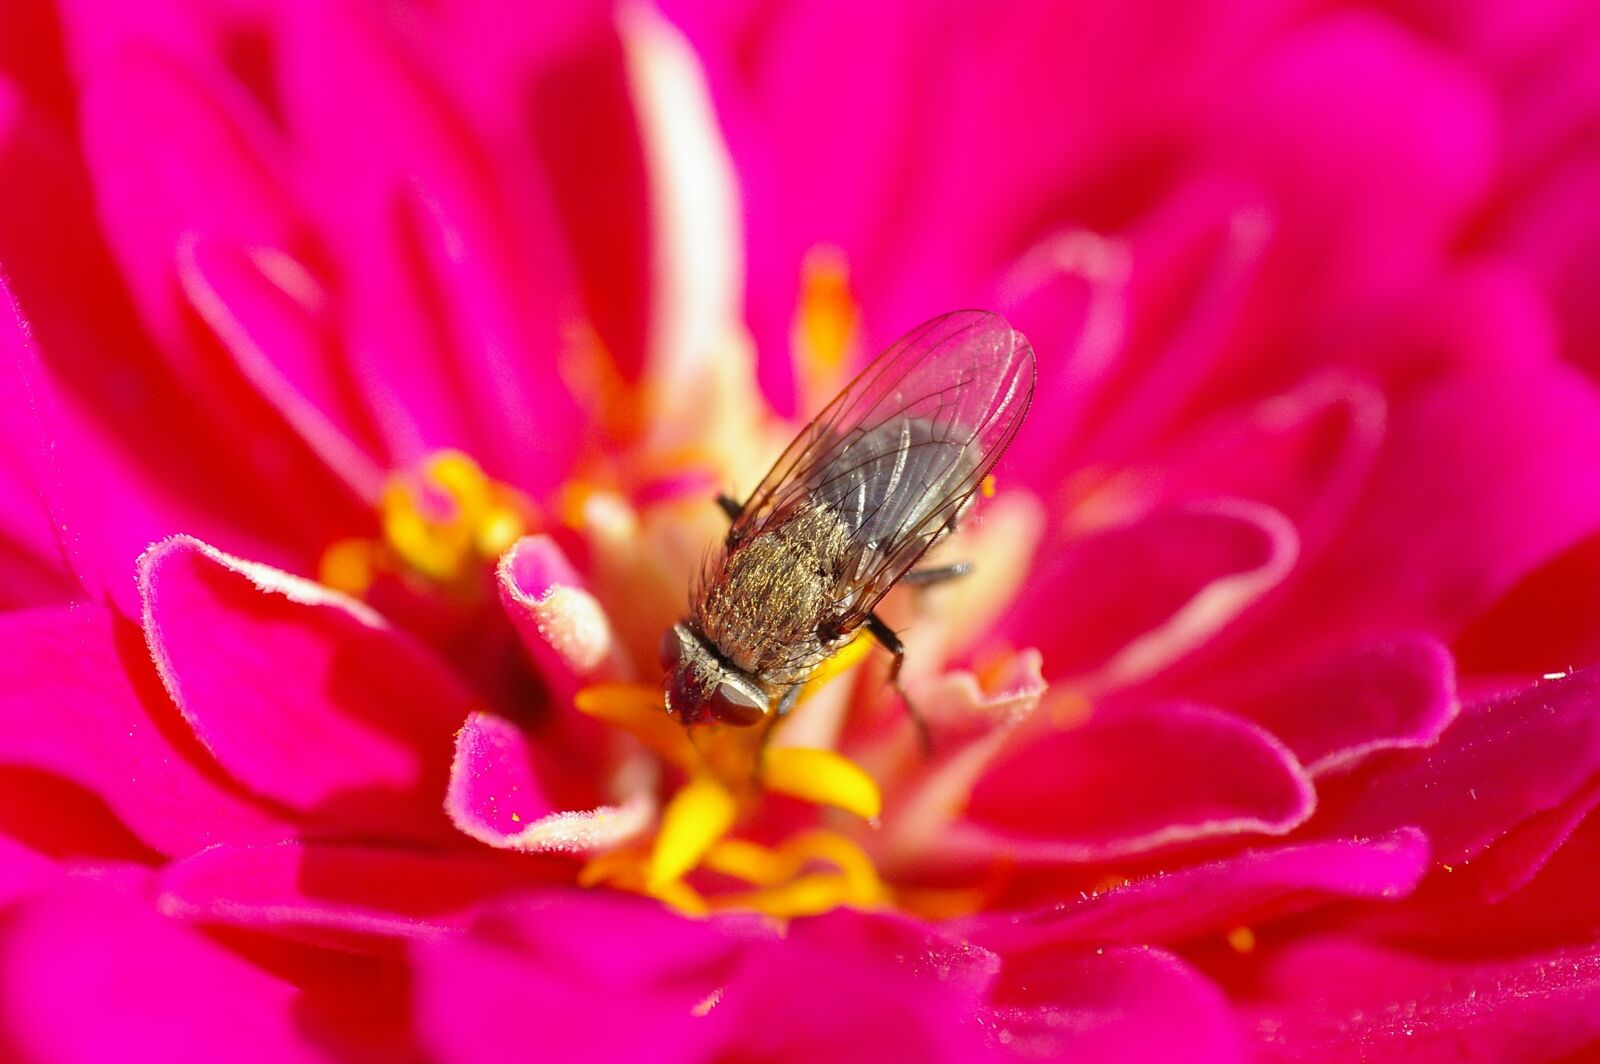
{"x":168,"y":991}
{"x":1135,"y":778}
{"x":209,"y":179}
{"x":303,"y":695}
{"x":1333,"y":1000}
{"x":437,"y":297}
{"x":1498,"y":764}
{"x":1132,"y":1003}
{"x":497,"y":795}
{"x":329,"y":893}
{"x":1120,"y":605}
{"x":572,"y":976}
{"x":1372,"y":178}
{"x":119,"y":470}
{"x":1240,"y":890}
{"x":1484,"y":475}
{"x":1384,"y":694}
{"x":263,"y":307}
{"x":23,"y":871}
{"x":95,"y":749}
{"x":563,"y":626}
{"x":1306,"y":452}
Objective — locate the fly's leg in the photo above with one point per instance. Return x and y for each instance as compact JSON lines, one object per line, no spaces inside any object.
{"x":730,"y":506}
{"x":937,"y":575}
{"x":891,"y":642}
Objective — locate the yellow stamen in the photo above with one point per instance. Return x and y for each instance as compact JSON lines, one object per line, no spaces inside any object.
{"x":451,"y":517}
{"x":1242,"y":940}
{"x":682,"y":897}
{"x":823,"y":777}
{"x":806,"y":895}
{"x":638,"y":709}
{"x":986,"y":486}
{"x":693,"y":821}
{"x":749,"y":861}
{"x":763,"y":867}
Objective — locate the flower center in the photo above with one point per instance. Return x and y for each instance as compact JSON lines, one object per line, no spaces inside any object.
{"x":696,"y":861}
{"x":445,"y":521}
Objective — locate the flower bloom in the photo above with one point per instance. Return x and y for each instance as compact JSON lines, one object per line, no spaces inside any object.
{"x":371,"y":371}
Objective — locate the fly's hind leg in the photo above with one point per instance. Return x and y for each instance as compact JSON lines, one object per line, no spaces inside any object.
{"x":937,"y":575}
{"x":891,"y":642}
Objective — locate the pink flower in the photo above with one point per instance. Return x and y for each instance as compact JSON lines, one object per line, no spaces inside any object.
{"x":371,"y":371}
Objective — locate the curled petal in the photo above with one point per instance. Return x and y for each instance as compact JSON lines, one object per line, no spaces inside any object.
{"x":303,"y":695}
{"x":563,"y":626}
{"x":1382,"y":694}
{"x":1235,"y":891}
{"x":1123,"y":604}
{"x":495,"y":796}
{"x":1135,"y":778}
{"x":1500,"y":763}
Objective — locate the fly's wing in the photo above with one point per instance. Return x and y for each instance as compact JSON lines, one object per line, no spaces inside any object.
{"x":898,"y":453}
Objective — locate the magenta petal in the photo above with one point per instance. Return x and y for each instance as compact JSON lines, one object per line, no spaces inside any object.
{"x":83,"y":708}
{"x":1390,"y":693}
{"x":262,"y":306}
{"x":495,"y":796}
{"x":1455,"y":514}
{"x":1119,"y":605}
{"x":303,"y":695}
{"x":1498,"y":764}
{"x":1336,"y":1001}
{"x":1374,"y":178}
{"x":1135,"y":778}
{"x":208,"y":179}
{"x":329,"y":892}
{"x":572,"y":976}
{"x":1239,"y":890}
{"x":160,"y":990}
{"x":563,"y":626}
{"x":1132,"y":1003}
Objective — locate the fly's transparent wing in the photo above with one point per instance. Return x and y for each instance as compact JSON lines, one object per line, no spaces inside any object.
{"x":897,"y":454}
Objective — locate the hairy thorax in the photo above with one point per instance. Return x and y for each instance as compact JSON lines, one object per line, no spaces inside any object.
{"x":770,"y":603}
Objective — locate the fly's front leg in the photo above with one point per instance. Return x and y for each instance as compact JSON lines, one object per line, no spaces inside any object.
{"x":937,"y":575}
{"x":891,"y":642}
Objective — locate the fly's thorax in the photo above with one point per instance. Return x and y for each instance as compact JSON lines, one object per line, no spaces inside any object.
{"x":702,"y":687}
{"x":765,"y":602}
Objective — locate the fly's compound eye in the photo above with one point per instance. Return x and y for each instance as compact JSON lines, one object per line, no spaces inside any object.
{"x":671,"y":649}
{"x":735,"y":705}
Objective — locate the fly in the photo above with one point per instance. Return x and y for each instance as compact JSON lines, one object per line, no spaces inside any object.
{"x":884,"y":472}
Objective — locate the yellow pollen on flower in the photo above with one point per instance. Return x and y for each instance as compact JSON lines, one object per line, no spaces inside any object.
{"x":447,"y":521}
{"x":450,"y":518}
{"x":826,"y":322}
{"x":350,"y":565}
{"x":728,"y":769}
{"x":1242,"y":940}
{"x":986,"y":487}
{"x":823,"y":777}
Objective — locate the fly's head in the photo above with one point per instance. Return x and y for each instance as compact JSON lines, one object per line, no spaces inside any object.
{"x":702,"y":689}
